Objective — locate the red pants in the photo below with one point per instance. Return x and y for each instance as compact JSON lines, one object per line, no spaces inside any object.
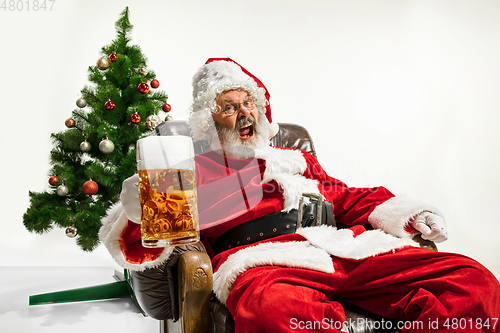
{"x":428,"y":291}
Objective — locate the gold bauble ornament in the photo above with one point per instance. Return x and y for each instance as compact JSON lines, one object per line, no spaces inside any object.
{"x":152,"y":121}
{"x":71,"y":232}
{"x":103,"y":63}
{"x":143,"y":71}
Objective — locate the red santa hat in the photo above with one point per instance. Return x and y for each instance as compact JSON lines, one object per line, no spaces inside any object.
{"x":215,"y":77}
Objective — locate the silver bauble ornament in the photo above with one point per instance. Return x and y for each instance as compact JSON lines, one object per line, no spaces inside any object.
{"x":85,"y":146}
{"x":106,"y":146}
{"x":152,"y":121}
{"x":81,"y":103}
{"x":62,"y":190}
{"x":143,"y":71}
{"x":71,"y":232}
{"x":168,"y":118}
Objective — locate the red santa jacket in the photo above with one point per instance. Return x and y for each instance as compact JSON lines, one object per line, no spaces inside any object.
{"x":234,"y":191}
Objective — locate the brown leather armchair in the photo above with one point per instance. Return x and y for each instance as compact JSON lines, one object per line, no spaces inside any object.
{"x":179,"y":292}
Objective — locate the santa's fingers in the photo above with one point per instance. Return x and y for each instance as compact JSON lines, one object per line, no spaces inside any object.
{"x":431,"y":226}
{"x":420,"y":225}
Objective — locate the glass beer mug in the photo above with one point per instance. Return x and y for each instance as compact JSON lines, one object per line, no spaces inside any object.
{"x":167,"y":191}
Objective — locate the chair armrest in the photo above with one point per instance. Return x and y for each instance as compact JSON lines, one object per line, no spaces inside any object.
{"x":156,"y":288}
{"x":195,"y":290}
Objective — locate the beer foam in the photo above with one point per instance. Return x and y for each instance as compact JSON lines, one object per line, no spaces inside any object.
{"x":165,"y":152}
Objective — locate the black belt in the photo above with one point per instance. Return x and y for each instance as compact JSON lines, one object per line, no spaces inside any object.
{"x":276,"y":224}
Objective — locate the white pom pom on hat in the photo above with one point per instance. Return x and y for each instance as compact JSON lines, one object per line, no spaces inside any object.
{"x":219,"y":75}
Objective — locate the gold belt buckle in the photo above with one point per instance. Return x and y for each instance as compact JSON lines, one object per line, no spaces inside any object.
{"x":319,"y":208}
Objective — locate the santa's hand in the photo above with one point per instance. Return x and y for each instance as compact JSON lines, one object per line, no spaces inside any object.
{"x":130,"y":198}
{"x":431,"y":226}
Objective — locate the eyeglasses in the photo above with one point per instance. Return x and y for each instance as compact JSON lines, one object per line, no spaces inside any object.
{"x":231,"y":108}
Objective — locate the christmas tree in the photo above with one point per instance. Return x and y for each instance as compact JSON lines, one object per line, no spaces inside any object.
{"x":91,"y":158}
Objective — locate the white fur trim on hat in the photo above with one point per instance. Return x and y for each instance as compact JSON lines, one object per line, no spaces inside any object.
{"x":273,"y":129}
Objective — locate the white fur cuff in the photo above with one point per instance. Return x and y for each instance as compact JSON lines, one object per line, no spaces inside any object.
{"x":110,"y":235}
{"x":394,"y":215}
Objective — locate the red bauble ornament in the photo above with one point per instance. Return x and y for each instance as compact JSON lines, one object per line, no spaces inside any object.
{"x":53,"y":180}
{"x":113,"y":57}
{"x":155,"y":84}
{"x":90,"y":187}
{"x":135,"y":118}
{"x":143,"y":88}
{"x":109,"y":105}
{"x":69,"y":123}
{"x":166,"y":107}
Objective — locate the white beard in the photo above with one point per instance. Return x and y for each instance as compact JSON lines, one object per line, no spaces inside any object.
{"x":229,"y":140}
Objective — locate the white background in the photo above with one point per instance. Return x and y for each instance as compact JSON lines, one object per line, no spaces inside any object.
{"x":403,"y":94}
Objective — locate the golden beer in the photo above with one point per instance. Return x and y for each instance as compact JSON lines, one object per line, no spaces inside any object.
{"x":169,"y":208}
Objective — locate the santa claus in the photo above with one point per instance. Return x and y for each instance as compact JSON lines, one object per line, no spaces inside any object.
{"x":266,"y":260}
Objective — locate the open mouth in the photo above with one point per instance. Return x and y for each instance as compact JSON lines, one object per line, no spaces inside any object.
{"x":246,"y":131}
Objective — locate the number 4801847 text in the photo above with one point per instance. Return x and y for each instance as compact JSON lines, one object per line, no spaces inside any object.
{"x":27,"y":5}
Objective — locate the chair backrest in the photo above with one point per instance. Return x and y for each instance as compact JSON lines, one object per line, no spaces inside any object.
{"x":289,"y":136}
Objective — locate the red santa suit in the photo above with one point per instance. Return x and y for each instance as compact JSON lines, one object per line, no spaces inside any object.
{"x":295,"y":276}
